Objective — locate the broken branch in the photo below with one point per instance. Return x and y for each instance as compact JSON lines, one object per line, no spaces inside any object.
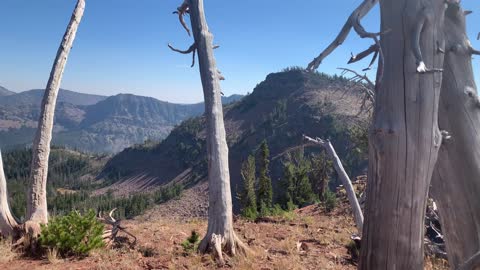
{"x":181,"y":11}
{"x":192,"y":49}
{"x":353,"y":20}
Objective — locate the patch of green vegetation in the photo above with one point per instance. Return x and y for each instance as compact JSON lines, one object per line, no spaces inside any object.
{"x":127,"y":207}
{"x":73,"y":234}
{"x":190,"y":245}
{"x":67,"y":171}
{"x":330,"y":201}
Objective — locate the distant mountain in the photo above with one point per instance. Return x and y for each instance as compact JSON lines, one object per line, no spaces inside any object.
{"x":34,"y":97}
{"x":5,"y":92}
{"x":91,"y":122}
{"x":280,"y":109}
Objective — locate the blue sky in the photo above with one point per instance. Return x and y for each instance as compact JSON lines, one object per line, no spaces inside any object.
{"x":121,"y":46}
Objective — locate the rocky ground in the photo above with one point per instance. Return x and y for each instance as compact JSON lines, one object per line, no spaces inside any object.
{"x":309,"y":238}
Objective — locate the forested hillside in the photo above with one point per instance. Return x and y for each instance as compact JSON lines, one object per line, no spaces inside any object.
{"x":280,"y":109}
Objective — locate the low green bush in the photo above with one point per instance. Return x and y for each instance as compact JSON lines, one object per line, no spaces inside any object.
{"x":73,"y":234}
{"x":330,"y":200}
{"x":191,"y":244}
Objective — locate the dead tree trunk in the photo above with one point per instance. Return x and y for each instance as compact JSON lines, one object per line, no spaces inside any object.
{"x":220,"y":235}
{"x":405,"y":137}
{"x":456,"y":179}
{"x":37,"y":194}
{"x":8,"y":224}
{"x":342,"y":174}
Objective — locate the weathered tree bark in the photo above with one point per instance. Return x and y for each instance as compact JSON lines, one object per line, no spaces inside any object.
{"x":342,"y":174}
{"x":37,"y":194}
{"x":7,"y":222}
{"x":405,"y":138}
{"x":220,"y":234}
{"x":456,"y":180}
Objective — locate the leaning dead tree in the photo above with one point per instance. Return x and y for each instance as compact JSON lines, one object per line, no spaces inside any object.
{"x":404,"y":137}
{"x":456,"y":180}
{"x":220,"y":236}
{"x":342,"y":174}
{"x":37,"y":194}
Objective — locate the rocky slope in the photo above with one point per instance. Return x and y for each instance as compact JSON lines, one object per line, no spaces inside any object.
{"x":280,"y":109}
{"x":92,"y":123}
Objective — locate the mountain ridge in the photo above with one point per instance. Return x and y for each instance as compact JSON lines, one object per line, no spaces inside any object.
{"x":93,"y":123}
{"x":280,"y":110}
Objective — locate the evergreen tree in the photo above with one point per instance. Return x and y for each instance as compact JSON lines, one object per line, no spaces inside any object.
{"x":247,"y":195}
{"x":298,"y":189}
{"x":265,"y":191}
{"x":322,"y":169}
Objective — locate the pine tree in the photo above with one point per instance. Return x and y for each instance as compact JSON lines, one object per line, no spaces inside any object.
{"x":322,"y":168}
{"x":265,"y":191}
{"x":247,"y":196}
{"x":296,"y":181}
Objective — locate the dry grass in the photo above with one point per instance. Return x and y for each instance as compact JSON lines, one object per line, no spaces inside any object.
{"x":310,"y":238}
{"x":53,"y":256}
{"x":6,"y":252}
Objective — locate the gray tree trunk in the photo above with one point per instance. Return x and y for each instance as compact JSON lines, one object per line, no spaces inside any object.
{"x":7,"y":221}
{"x":456,"y":180}
{"x":405,"y":138}
{"x":37,"y":194}
{"x":220,"y":235}
{"x":342,"y":174}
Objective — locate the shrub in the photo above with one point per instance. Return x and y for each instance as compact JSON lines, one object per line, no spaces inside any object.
{"x":330,"y":200}
{"x":191,"y":244}
{"x":73,"y":234}
{"x":353,"y":250}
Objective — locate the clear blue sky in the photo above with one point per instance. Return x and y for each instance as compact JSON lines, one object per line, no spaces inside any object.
{"x":121,"y":46}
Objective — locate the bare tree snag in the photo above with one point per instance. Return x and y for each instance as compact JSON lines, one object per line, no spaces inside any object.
{"x":110,"y":235}
{"x":8,"y":223}
{"x":353,"y":20}
{"x":342,"y":174}
{"x":404,"y":138}
{"x":37,"y":195}
{"x":456,"y":180}
{"x":220,"y":236}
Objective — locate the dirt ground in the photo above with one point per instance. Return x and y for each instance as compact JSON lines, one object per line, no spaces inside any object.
{"x":309,"y":238}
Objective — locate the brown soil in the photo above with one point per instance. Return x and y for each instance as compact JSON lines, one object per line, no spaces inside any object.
{"x":309,"y":238}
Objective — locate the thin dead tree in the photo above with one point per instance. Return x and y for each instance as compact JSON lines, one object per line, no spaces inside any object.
{"x":344,"y":178}
{"x":220,"y":235}
{"x":37,"y":194}
{"x":404,"y":137}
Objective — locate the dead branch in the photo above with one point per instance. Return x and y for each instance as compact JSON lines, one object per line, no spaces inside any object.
{"x":353,"y":21}
{"x":192,"y":49}
{"x":181,"y":11}
{"x":110,"y":235}
{"x":359,"y":76}
{"x":375,"y":49}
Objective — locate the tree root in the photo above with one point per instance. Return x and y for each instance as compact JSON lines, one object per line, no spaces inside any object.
{"x":218,"y":244}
